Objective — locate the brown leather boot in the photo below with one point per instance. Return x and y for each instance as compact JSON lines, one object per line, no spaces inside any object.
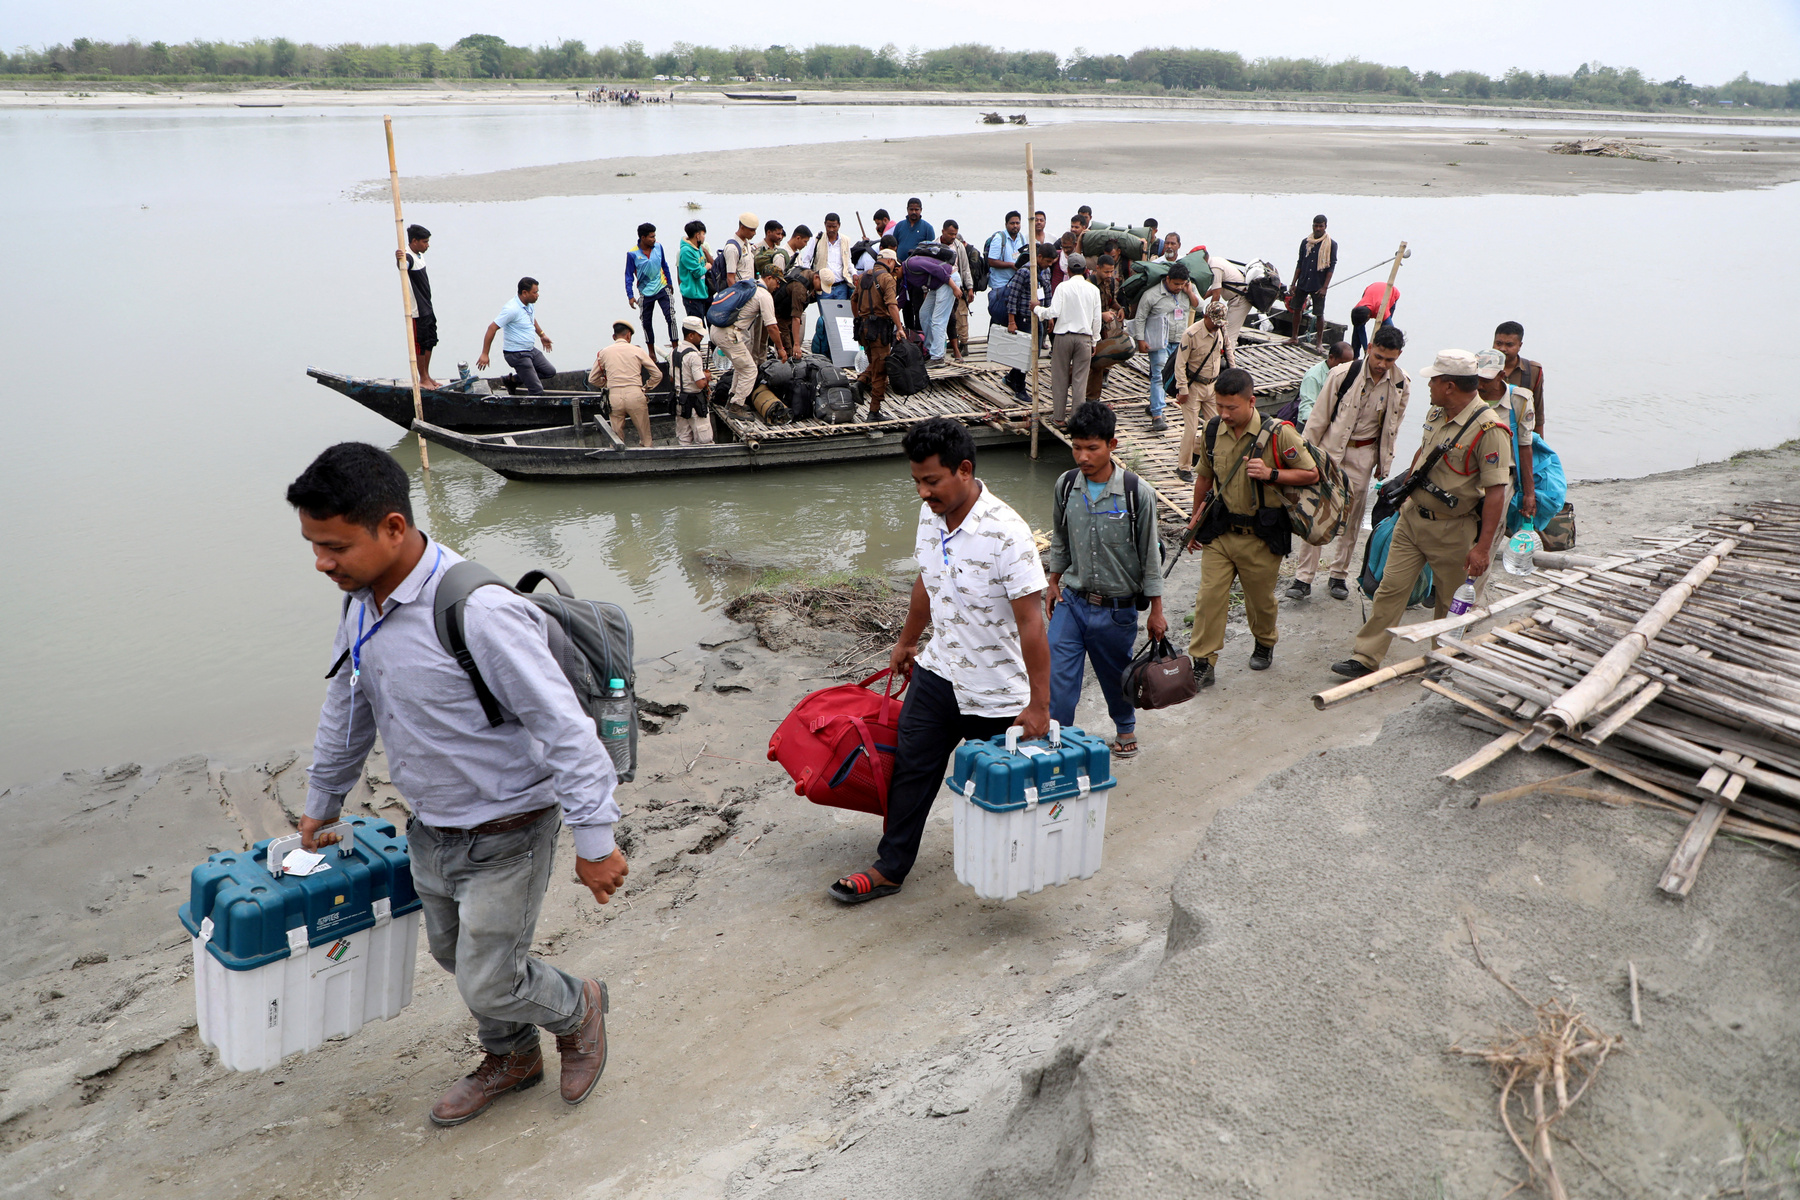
{"x":584,"y":1051}
{"x":470,"y":1096}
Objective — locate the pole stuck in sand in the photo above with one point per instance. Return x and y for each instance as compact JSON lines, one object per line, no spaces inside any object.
{"x":1031,"y":265}
{"x":406,"y":297}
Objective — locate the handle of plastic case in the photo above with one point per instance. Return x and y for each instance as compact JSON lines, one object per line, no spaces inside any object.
{"x":1014,"y":733}
{"x":279,"y":847}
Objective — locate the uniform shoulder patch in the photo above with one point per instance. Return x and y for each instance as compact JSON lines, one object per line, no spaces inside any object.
{"x":1292,"y":452}
{"x":1493,"y":459}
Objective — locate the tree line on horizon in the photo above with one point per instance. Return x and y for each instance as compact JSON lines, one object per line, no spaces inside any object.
{"x":1169,"y":70}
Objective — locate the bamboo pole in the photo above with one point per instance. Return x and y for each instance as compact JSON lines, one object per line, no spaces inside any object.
{"x":1032,"y":266}
{"x":1332,"y":697}
{"x":406,"y":295}
{"x":1387,"y":295}
{"x":1574,"y":705}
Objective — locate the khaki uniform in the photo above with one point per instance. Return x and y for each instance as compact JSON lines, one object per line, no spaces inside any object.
{"x":1201,"y":354}
{"x":1241,"y":556}
{"x":620,"y":369}
{"x":1237,"y":304}
{"x":735,"y":340}
{"x":693,"y":420}
{"x":1522,"y":411}
{"x":887,"y":293}
{"x":1432,"y":533}
{"x":1362,"y":441}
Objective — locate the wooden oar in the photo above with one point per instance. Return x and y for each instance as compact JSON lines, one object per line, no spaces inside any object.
{"x":406,"y":294}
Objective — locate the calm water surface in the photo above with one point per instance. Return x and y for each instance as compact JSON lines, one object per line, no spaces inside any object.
{"x":175,"y":273}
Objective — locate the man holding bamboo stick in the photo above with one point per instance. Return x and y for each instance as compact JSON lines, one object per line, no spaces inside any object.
{"x":1456,"y":501}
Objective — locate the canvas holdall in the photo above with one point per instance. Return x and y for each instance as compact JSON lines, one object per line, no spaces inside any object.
{"x":1159,"y":677}
{"x":838,"y":744}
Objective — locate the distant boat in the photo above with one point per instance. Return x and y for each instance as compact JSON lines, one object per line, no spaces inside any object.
{"x":788,"y":96}
{"x":243,"y":104}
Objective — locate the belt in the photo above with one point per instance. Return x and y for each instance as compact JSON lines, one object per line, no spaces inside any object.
{"x":1359,"y":443}
{"x":1428,"y":515}
{"x":500,"y":824}
{"x":1096,"y":600}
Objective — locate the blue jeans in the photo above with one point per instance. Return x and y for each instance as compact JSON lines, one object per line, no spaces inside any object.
{"x":820,"y":346}
{"x":1157,"y":359}
{"x":934,"y":318}
{"x":1079,"y":632}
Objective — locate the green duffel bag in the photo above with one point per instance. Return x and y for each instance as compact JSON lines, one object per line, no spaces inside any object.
{"x":1093,"y":242}
{"x":1154,"y":272}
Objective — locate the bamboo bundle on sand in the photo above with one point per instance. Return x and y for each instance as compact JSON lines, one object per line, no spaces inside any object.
{"x":1675,"y":672}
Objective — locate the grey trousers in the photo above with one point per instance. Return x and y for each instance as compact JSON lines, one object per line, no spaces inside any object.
{"x":481,"y":895}
{"x":1070,"y":354}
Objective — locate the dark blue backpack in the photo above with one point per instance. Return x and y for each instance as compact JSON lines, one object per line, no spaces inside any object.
{"x":729,"y":303}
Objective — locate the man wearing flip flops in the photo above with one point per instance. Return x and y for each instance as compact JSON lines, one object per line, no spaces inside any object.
{"x":987,"y":666}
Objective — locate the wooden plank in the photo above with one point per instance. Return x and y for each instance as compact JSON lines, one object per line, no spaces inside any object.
{"x":1637,"y":704}
{"x":1482,"y":757}
{"x":1690,"y":852}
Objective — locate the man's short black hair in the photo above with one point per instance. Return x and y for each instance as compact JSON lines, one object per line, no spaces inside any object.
{"x":1107,"y":260}
{"x":948,"y":223}
{"x":915,"y":200}
{"x":1389,"y":337}
{"x":881,"y":214}
{"x":1093,"y":419}
{"x":356,"y":481}
{"x":948,"y":440}
{"x":771,"y":226}
{"x":1234,"y":381}
{"x":1179,"y":271}
{"x":1360,"y":314}
{"x":1046,"y":249}
{"x":834,"y":217}
{"x":418,"y":233}
{"x":646,"y":229}
{"x":1341,"y":350}
{"x":1086,"y":210}
{"x":1320,"y":220}
{"x":801,"y":231}
{"x":693,"y":227}
{"x":889,"y":242}
{"x":1015,"y":213}
{"x":1510,"y":329}
{"x":526,"y":283}
{"x":1463,"y":383}
{"x":1150,"y":223}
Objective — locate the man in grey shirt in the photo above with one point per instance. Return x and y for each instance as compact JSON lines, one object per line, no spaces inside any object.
{"x":485,"y":798}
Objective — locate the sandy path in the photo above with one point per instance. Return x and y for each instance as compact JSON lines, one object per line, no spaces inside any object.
{"x":765,"y":1038}
{"x":1149,"y":157}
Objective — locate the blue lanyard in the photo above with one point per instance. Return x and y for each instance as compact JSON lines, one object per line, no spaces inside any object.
{"x":362,"y":639}
{"x":944,"y":543}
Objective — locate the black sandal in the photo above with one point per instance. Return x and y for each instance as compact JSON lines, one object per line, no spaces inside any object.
{"x":859,"y":889}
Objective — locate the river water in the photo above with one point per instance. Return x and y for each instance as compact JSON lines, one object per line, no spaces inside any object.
{"x":176,"y":272}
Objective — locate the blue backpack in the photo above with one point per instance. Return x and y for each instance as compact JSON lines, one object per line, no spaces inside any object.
{"x":1547,"y":481}
{"x":729,"y":303}
{"x":1375,"y":552}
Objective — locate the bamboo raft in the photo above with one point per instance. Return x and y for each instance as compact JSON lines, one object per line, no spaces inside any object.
{"x":1672,"y":672}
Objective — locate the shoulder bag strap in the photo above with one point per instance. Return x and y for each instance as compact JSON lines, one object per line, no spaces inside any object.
{"x":1343,"y":389}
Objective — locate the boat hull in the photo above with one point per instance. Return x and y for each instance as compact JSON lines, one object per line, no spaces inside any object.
{"x":474,"y":412}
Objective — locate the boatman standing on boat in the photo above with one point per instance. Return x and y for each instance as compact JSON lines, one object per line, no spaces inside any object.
{"x":987,"y":667}
{"x":486,"y":798}
{"x":519,"y":321}
{"x":1312,"y":278}
{"x":424,"y":325}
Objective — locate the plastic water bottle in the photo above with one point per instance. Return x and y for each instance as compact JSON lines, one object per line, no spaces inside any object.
{"x":1519,"y":548}
{"x":462,"y":372}
{"x":615,"y":724}
{"x":1464,"y":599}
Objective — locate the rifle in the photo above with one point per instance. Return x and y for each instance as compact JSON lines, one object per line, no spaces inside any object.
{"x":860,"y":227}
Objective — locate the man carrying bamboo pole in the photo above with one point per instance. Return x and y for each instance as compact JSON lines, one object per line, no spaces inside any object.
{"x":425,"y":329}
{"x":1456,"y":501}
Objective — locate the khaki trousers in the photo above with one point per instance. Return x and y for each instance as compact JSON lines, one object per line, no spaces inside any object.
{"x":1444,"y":545}
{"x":630,"y":402}
{"x":1196,"y":409}
{"x":1246,"y":558}
{"x":876,"y":375}
{"x":696,"y":430}
{"x":1070,"y":354}
{"x":736,"y":345}
{"x":1359,"y":465}
{"x":1237,"y":311}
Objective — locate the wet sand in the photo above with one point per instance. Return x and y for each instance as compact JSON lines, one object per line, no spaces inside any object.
{"x":1168,"y":157}
{"x":768,"y":1042}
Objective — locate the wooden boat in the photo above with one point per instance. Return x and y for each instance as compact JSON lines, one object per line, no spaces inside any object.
{"x":788,"y":96}
{"x":485,"y":406}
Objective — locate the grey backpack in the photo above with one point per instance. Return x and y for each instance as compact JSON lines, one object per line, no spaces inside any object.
{"x":590,"y":640}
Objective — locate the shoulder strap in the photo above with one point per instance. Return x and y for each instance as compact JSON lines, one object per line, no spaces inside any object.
{"x":1131,"y":498}
{"x":1065,"y":487}
{"x":447,"y":614}
{"x":342,"y":613}
{"x":1343,"y":388}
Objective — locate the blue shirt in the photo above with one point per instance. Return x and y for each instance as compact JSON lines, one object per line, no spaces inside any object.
{"x":518,"y":325}
{"x":1003,"y":245}
{"x":648,"y":272}
{"x":907,"y":236}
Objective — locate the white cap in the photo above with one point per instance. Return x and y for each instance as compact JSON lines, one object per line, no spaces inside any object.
{"x":1489,"y":364}
{"x":1451,"y":362}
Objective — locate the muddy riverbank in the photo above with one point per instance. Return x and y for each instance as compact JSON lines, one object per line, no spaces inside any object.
{"x":769,"y":1042}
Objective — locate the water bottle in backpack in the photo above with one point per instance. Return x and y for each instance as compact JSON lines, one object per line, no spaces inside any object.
{"x":615,"y":723}
{"x":1464,"y":599}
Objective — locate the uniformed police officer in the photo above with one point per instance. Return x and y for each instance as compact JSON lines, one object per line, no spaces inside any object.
{"x":1245,"y":541}
{"x":1449,"y":520}
{"x":1201,"y":355}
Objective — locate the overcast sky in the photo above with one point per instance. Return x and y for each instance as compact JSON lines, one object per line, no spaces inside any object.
{"x":1708,"y":42}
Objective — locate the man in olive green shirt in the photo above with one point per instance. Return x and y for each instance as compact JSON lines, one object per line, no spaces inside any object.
{"x":1104,"y":547}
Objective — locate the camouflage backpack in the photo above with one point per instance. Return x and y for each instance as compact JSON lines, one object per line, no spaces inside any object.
{"x":1318,"y":511}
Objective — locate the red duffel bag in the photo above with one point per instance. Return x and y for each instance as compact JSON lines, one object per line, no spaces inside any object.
{"x":838,"y":744}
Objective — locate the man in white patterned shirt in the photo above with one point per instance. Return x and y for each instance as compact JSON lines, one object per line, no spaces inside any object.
{"x":987,"y":666}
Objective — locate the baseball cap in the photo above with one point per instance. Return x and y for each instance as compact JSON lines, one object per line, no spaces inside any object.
{"x":1077,"y":262}
{"x":889,"y":255}
{"x":693,"y":324}
{"x":1489,"y":363}
{"x":1451,"y":362}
